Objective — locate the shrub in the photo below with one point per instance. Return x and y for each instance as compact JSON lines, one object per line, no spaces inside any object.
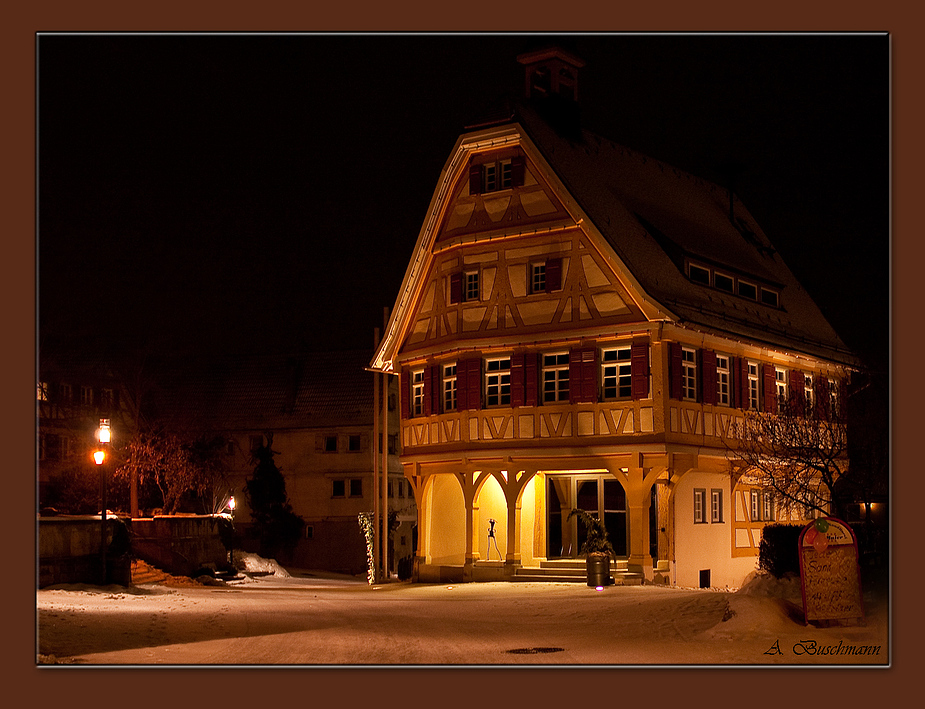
{"x":779,"y":550}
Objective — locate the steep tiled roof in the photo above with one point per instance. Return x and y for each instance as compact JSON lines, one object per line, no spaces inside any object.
{"x":318,"y":389}
{"x":653,"y":215}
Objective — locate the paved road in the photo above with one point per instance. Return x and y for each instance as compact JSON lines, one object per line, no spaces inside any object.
{"x":318,"y":622}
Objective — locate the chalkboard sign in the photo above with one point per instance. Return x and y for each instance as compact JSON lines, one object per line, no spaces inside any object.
{"x":829,"y":571}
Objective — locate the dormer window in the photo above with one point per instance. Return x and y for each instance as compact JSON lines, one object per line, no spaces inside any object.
{"x":707,"y":276}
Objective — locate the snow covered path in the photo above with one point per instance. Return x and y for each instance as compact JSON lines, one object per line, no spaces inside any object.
{"x":318,"y":621}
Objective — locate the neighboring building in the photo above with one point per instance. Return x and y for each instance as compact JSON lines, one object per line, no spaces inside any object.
{"x":73,"y":393}
{"x":318,"y":408}
{"x":581,"y":325}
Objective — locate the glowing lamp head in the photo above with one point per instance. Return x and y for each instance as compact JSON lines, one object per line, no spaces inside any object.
{"x":231,"y":503}
{"x":104,"y":433}
{"x":99,"y":457}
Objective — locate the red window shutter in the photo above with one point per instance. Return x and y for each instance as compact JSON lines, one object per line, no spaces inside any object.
{"x":740,"y":384}
{"x":553,"y":274}
{"x":531,"y":378}
{"x":708,"y":376}
{"x":639,"y":370}
{"x":589,"y":375}
{"x":821,"y":393}
{"x":796,"y":383}
{"x":574,"y":376}
{"x":428,"y":392}
{"x":518,"y":171}
{"x":405,"y":380}
{"x":517,"y":379}
{"x":455,"y":288}
{"x":582,"y":376}
{"x":674,"y":367}
{"x":769,"y":390}
{"x":468,"y":384}
{"x":475,"y":179}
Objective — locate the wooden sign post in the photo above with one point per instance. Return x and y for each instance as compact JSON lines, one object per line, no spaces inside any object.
{"x":829,"y":572}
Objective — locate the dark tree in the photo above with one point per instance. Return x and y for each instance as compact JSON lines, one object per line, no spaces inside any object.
{"x":276,"y":526}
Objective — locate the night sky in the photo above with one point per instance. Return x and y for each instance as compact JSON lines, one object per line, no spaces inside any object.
{"x":209,"y":193}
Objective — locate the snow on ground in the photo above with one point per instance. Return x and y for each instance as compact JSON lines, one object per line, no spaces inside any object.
{"x":271,"y":615}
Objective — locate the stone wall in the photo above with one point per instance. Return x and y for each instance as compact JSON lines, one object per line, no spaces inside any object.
{"x":69,"y":551}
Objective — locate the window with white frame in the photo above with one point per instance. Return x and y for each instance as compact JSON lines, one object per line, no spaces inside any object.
{"x":417,"y":392}
{"x":767,"y":506}
{"x":471,"y":285}
{"x":716,"y":506}
{"x":555,"y":377}
{"x":496,"y":176}
{"x":754,"y":506}
{"x":538,"y":278}
{"x":86,"y":395}
{"x":780,"y":377}
{"x":449,"y":387}
{"x":833,"y":397}
{"x":700,"y":506}
{"x":688,"y":374}
{"x":617,"y":373}
{"x":808,"y":392}
{"x":498,"y":382}
{"x":722,"y":380}
{"x":753,"y":384}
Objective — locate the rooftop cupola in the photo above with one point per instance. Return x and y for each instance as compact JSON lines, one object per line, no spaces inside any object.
{"x":551,"y":84}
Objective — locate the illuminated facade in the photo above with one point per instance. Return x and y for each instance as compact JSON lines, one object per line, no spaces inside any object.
{"x":581,"y":325}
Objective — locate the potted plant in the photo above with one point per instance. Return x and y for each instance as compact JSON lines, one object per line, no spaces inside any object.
{"x":597,"y":547}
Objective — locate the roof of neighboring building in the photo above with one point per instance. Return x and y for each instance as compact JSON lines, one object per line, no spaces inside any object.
{"x":654,"y":215}
{"x":270,"y":392}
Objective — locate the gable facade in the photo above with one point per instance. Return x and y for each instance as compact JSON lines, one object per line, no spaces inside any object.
{"x":547,"y":359}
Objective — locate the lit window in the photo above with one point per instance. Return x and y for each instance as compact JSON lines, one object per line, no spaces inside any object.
{"x":41,"y":392}
{"x":555,"y":377}
{"x":767,"y":503}
{"x":472,"y":285}
{"x":753,"y":386}
{"x":449,"y":387}
{"x":538,"y":278}
{"x":417,"y":392}
{"x":498,"y":382}
{"x":780,"y":376}
{"x":716,"y":505}
{"x":808,"y":393}
{"x":722,"y":380}
{"x":700,"y":506}
{"x":496,"y":176}
{"x":689,"y":374}
{"x":616,"y":373}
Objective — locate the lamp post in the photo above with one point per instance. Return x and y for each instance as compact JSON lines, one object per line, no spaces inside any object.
{"x":104,"y":436}
{"x":231,"y":549}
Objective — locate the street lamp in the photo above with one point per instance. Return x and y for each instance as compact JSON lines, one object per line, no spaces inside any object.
{"x":104,"y":436}
{"x":231,"y":549}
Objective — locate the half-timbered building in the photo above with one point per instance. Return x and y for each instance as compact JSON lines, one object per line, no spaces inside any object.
{"x":580,"y":325}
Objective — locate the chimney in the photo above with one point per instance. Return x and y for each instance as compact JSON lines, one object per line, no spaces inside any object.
{"x":551,"y":85}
